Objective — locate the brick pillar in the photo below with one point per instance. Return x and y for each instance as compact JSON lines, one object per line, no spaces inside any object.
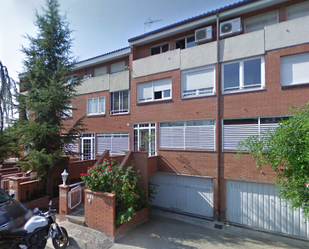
{"x":14,"y":187}
{"x":63,"y":201}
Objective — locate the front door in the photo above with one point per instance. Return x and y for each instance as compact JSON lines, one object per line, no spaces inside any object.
{"x":87,"y":147}
{"x":145,"y":138}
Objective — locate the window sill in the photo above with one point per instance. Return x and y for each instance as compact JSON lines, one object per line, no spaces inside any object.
{"x":199,"y":96}
{"x":117,"y":114}
{"x":155,"y":101}
{"x":245,"y":91}
{"x":67,"y":118}
{"x":96,"y":115}
{"x":304,"y":85}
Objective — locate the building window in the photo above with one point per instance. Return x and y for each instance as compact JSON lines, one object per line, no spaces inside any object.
{"x":159,"y":49}
{"x":199,"y":134}
{"x":243,"y":75}
{"x":100,"y":71}
{"x":144,"y":138}
{"x":297,"y":10}
{"x":294,"y":69}
{"x":71,"y":78}
{"x":116,"y":143}
{"x":154,"y":90}
{"x":96,"y":106}
{"x":236,"y":130}
{"x":198,"y":82}
{"x":117,"y":67}
{"x":120,"y":102}
{"x":187,"y":42}
{"x":67,"y":112}
{"x":260,"y":21}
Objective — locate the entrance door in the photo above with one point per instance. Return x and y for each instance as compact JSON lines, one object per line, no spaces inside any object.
{"x":87,"y":147}
{"x":145,"y":138}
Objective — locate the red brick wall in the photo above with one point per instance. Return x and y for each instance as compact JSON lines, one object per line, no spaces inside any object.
{"x":100,"y":213}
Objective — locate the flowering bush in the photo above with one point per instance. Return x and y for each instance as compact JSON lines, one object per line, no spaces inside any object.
{"x":113,"y":178}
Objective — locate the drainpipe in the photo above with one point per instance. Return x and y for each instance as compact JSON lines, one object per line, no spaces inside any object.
{"x":218,"y":123}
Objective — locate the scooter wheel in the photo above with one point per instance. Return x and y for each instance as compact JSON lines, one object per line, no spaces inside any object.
{"x":61,"y":239}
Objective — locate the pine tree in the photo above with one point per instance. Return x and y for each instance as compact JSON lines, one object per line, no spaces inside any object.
{"x":7,"y":88}
{"x":47,"y":97}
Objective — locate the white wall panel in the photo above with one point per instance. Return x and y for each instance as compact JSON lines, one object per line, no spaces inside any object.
{"x":186,"y":194}
{"x":258,"y":205}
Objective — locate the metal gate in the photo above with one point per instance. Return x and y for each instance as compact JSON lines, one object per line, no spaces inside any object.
{"x":258,"y":205}
{"x":184,"y":194}
{"x":75,"y":195}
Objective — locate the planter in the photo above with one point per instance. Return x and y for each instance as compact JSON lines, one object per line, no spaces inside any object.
{"x":100,"y":214}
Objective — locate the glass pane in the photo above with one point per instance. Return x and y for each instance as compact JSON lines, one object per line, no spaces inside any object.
{"x":89,"y":106}
{"x":165,"y":48}
{"x":115,"y":99}
{"x":158,"y":95}
{"x":191,"y":42}
{"x":125,"y":103}
{"x":240,"y":121}
{"x":252,"y":72}
{"x":167,"y":93}
{"x":181,"y":44}
{"x":231,"y":76}
{"x":101,"y":105}
{"x":155,"y":50}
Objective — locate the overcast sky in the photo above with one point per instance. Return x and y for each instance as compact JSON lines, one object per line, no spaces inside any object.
{"x":100,"y":26}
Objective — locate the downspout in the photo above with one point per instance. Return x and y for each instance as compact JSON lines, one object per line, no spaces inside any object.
{"x":218,"y":123}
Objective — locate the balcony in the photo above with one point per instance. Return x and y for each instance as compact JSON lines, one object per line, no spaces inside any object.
{"x":112,"y":82}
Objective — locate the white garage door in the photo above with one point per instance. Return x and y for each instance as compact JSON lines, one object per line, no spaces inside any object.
{"x":258,"y":205}
{"x":185,"y":194}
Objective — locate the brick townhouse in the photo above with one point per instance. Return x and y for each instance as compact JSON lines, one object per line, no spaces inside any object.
{"x":189,"y":92}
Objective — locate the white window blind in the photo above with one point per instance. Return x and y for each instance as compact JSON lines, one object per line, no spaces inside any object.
{"x":198,"y":82}
{"x":116,"y":143}
{"x":188,"y":135}
{"x":234,"y":133}
{"x":161,"y":85}
{"x":117,"y":67}
{"x":294,"y":69}
{"x":297,"y":10}
{"x":100,"y":71}
{"x":260,"y":21}
{"x":171,"y":137}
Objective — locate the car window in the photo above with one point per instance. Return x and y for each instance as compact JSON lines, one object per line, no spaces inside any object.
{"x":3,"y":196}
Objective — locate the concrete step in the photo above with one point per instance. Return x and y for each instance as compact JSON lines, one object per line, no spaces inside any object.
{"x":81,"y":237}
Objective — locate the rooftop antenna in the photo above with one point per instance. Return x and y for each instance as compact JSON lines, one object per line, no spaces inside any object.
{"x":149,"y":22}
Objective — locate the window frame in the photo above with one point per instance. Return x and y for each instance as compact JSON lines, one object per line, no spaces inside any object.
{"x":112,"y":136}
{"x":295,"y":6}
{"x":153,"y":99}
{"x":241,"y":86}
{"x":200,"y":69}
{"x":69,"y":112}
{"x":96,"y":113}
{"x":119,"y":111}
{"x":160,"y":45}
{"x":186,"y":41}
{"x":69,"y":79}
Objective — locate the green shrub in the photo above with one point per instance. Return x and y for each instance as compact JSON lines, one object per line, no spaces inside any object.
{"x":113,"y":178}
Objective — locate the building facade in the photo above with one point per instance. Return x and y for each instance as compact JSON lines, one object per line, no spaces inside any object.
{"x":189,"y":92}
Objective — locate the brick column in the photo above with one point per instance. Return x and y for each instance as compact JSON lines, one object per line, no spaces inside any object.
{"x":63,"y":201}
{"x":14,"y":187}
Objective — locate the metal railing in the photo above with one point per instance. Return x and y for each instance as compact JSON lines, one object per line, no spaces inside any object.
{"x":75,"y":194}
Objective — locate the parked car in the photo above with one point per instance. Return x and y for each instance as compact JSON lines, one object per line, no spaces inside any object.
{"x":13,"y":214}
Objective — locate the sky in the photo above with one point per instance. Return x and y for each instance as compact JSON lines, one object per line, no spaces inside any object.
{"x":100,"y":26}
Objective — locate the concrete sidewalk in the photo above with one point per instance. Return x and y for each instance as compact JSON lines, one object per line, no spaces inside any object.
{"x":168,"y":230}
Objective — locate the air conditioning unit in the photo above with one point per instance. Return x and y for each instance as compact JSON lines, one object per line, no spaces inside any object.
{"x":203,"y":35}
{"x":230,"y":27}
{"x":87,"y":76}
